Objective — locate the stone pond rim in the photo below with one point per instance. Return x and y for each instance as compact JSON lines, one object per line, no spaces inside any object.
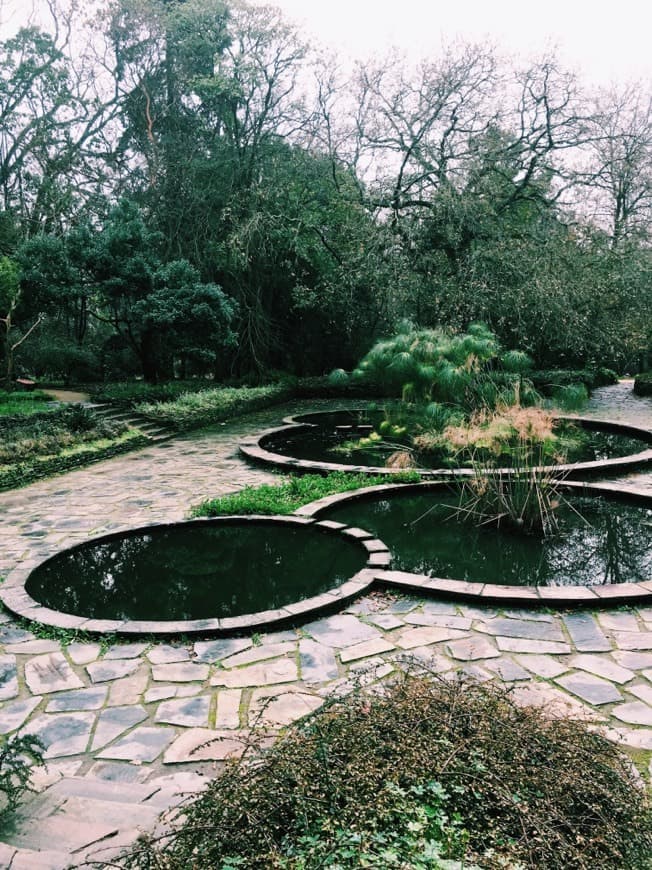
{"x":376,"y":571}
{"x":373,"y":555}
{"x":614,"y":594}
{"x":255,"y":449}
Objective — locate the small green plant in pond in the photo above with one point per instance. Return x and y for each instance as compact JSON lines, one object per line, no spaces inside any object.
{"x":17,"y":758}
{"x":286,"y":497}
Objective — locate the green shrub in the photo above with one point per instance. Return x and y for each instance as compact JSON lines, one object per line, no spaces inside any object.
{"x":571,"y":397}
{"x":128,"y":394}
{"x":643,"y":384}
{"x":286,"y":497}
{"x":429,"y":769}
{"x":547,"y":380}
{"x":192,"y":410}
{"x":17,"y":757}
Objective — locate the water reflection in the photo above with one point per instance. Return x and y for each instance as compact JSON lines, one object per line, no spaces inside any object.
{"x":600,"y":542}
{"x":195,"y":571}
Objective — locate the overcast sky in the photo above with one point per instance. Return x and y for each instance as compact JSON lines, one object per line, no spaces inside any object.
{"x":604,"y":40}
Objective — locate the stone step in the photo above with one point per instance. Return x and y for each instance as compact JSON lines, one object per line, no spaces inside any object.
{"x":104,"y":790}
{"x":28,"y":859}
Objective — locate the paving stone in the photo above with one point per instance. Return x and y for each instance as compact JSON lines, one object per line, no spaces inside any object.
{"x":190,"y":712}
{"x":13,"y":715}
{"x":318,"y":663}
{"x":33,"y":647}
{"x":534,"y":615}
{"x":43,"y":777}
{"x":386,"y":621}
{"x":601,"y":666}
{"x":483,"y":613}
{"x":164,"y":654}
{"x":523,"y":628}
{"x":180,"y":672}
{"x":115,"y":771}
{"x":472,"y":648}
{"x":6,"y":854}
{"x":618,"y":621}
{"x":281,"y":708}
{"x":634,"y":713}
{"x":340,"y":631}
{"x":216,"y":650}
{"x":78,"y":699}
{"x":69,"y":833}
{"x":365,"y":649}
{"x":125,"y":651}
{"x":555,"y":702}
{"x":642,"y":691}
{"x":11,"y":634}
{"x":8,"y":677}
{"x":261,"y":674}
{"x":442,"y":619}
{"x":422,"y":659}
{"x":113,"y":722}
{"x":258,"y":654}
{"x":633,"y":660}
{"x":403,"y":605}
{"x":50,"y":673}
{"x":128,"y":690}
{"x":41,"y":859}
{"x":542,"y":665}
{"x":83,"y":653}
{"x":633,"y":640}
{"x":521,"y":645}
{"x":103,"y":671}
{"x":508,"y":671}
{"x":104,"y":790}
{"x":61,"y":733}
{"x":143,"y":744}
{"x":228,"y":708}
{"x":585,"y":633}
{"x":426,"y":634}
{"x":590,"y":688}
{"x":205,"y":744}
{"x":475,"y":672}
{"x":164,"y":693}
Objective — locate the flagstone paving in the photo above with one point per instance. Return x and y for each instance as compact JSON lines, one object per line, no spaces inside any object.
{"x":129,"y":727}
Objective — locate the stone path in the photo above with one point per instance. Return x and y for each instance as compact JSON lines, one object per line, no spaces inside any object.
{"x":128,"y":727}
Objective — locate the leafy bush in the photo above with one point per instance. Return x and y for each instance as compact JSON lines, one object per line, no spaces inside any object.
{"x":128,"y":394}
{"x":571,"y":397}
{"x":17,"y":757}
{"x":418,"y":771}
{"x":643,"y":384}
{"x":27,"y":437}
{"x":285,"y":498}
{"x":547,"y":380}
{"x":191,"y":410}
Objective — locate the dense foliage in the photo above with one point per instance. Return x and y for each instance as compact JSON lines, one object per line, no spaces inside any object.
{"x":421,"y":771}
{"x":18,"y":756}
{"x":189,"y":188}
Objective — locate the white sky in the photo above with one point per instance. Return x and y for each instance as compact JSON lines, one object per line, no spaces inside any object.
{"x":604,"y":40}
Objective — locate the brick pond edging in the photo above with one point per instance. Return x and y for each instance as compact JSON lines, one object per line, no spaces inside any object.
{"x":613,"y":594}
{"x":254,"y":447}
{"x":15,"y":597}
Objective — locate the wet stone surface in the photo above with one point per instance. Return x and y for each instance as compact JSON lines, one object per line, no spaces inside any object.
{"x":139,"y":712}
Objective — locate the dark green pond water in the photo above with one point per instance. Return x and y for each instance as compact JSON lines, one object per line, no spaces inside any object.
{"x":323,"y":444}
{"x":600,"y":541}
{"x":195,"y":571}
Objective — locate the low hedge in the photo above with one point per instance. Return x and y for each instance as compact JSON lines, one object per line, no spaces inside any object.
{"x":22,"y":473}
{"x":643,"y":384}
{"x":547,"y":380}
{"x":194,"y":410}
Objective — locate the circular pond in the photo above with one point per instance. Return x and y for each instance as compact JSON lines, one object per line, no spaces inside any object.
{"x":603,"y":545}
{"x":231,"y":572}
{"x":319,"y":442}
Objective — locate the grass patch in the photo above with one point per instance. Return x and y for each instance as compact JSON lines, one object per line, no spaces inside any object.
{"x":409,"y":776}
{"x":21,"y":403}
{"x":286,"y":497}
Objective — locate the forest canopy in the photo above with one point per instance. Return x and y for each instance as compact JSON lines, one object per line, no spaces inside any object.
{"x":190,"y":188}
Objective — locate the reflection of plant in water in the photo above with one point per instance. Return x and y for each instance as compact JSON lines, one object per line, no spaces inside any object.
{"x":525,"y":497}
